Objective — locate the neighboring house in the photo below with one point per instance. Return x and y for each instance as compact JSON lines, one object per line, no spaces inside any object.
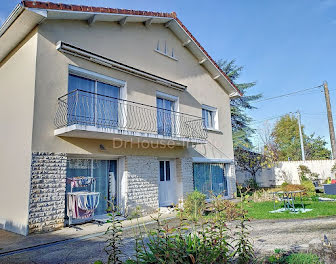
{"x":119,"y":95}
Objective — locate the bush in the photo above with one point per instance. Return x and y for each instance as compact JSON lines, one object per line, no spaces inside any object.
{"x":284,"y":184}
{"x":309,"y":188}
{"x":262,"y":196}
{"x":306,"y":185}
{"x":194,"y":205}
{"x":303,"y":258}
{"x":283,"y":257}
{"x":306,"y":174}
{"x":207,"y":240}
{"x":252,"y":184}
{"x":293,"y":187}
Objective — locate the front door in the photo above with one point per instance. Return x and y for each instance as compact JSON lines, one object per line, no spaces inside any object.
{"x":166,"y":183}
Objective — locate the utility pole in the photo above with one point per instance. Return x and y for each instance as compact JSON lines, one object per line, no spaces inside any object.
{"x":330,"y":120}
{"x":301,"y":137}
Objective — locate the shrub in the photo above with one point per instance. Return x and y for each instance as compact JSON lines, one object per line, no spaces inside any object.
{"x":309,"y":187}
{"x":284,"y":184}
{"x":223,"y":208}
{"x":293,"y":187}
{"x":303,"y":258}
{"x":252,"y":184}
{"x":204,"y":242}
{"x":262,"y":196}
{"x":194,"y":205}
{"x":207,"y":240}
{"x":114,"y":241}
{"x":306,"y":174}
{"x":282,"y":257}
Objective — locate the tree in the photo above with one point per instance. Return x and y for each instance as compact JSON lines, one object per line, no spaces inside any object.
{"x":287,"y":140}
{"x":251,"y":162}
{"x":269,"y":147}
{"x":241,"y":121}
{"x":315,"y":148}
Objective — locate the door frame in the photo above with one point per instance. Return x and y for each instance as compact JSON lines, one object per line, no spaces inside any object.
{"x":173,"y":180}
{"x":175,"y":118}
{"x":120,"y":171}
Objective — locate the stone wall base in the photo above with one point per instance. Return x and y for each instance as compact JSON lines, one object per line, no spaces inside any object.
{"x":47,"y":192}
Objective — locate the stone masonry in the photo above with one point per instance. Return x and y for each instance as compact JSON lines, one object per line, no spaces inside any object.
{"x":232,"y":186}
{"x":47,"y":193}
{"x":184,"y":178}
{"x":187,"y":176}
{"x":142,"y":183}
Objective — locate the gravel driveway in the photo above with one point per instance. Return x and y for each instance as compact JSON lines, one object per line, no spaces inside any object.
{"x":267,"y":235}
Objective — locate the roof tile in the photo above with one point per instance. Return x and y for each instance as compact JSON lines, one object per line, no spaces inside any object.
{"x":66,"y":7}
{"x":76,"y":8}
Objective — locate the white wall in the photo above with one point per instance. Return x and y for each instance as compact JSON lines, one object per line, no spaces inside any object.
{"x":288,"y":171}
{"x":17,"y":82}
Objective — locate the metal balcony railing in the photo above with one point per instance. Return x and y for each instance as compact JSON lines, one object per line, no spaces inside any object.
{"x":90,"y":109}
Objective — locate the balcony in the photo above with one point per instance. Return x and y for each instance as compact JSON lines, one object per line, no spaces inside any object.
{"x":90,"y":115}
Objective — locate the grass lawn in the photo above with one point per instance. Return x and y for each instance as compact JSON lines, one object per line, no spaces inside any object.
{"x":261,"y":210}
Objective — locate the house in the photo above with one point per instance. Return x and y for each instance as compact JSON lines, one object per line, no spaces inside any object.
{"x":128,"y":98}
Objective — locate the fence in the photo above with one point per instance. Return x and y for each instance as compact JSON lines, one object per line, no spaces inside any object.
{"x":287,"y":171}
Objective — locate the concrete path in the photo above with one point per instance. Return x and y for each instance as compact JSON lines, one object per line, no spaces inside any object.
{"x":81,"y":244}
{"x":267,"y":234}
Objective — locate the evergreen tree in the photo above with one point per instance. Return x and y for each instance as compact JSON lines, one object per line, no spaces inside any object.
{"x":241,"y":121}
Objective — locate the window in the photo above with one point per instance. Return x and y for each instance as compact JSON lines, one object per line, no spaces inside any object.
{"x":210,"y":178}
{"x":165,"y":170}
{"x":209,"y":116}
{"x":167,"y":106}
{"x":92,"y":102}
{"x":98,"y":169}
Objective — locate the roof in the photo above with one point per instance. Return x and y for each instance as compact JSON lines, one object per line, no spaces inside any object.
{"x":49,"y":10}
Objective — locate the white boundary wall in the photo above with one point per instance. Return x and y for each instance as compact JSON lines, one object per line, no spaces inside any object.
{"x":288,"y":171}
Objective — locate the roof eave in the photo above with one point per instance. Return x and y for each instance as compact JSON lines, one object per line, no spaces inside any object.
{"x":173,"y":23}
{"x":11,"y":18}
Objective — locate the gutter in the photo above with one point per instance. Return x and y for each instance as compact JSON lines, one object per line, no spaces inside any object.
{"x":12,"y":17}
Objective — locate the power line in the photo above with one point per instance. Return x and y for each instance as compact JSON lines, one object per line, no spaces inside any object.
{"x":274,"y":117}
{"x":314,"y":114}
{"x":288,"y":94}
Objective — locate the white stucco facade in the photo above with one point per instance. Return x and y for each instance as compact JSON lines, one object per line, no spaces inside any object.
{"x":144,"y":72}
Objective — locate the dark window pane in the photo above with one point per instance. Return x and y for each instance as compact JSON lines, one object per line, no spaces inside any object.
{"x":209,"y":178}
{"x":107,"y":107}
{"x":202,"y":180}
{"x":167,"y":170}
{"x":218,"y":180}
{"x":81,"y":104}
{"x":162,"y":171}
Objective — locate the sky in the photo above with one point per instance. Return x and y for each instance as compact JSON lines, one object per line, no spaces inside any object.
{"x":284,"y":46}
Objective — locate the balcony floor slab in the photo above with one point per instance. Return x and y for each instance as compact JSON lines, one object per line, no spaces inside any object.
{"x":82,"y":131}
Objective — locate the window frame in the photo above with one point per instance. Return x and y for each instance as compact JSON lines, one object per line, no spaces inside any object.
{"x":225,"y":167}
{"x":94,"y":76}
{"x":175,"y":117}
{"x":166,"y":170}
{"x":214,"y":117}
